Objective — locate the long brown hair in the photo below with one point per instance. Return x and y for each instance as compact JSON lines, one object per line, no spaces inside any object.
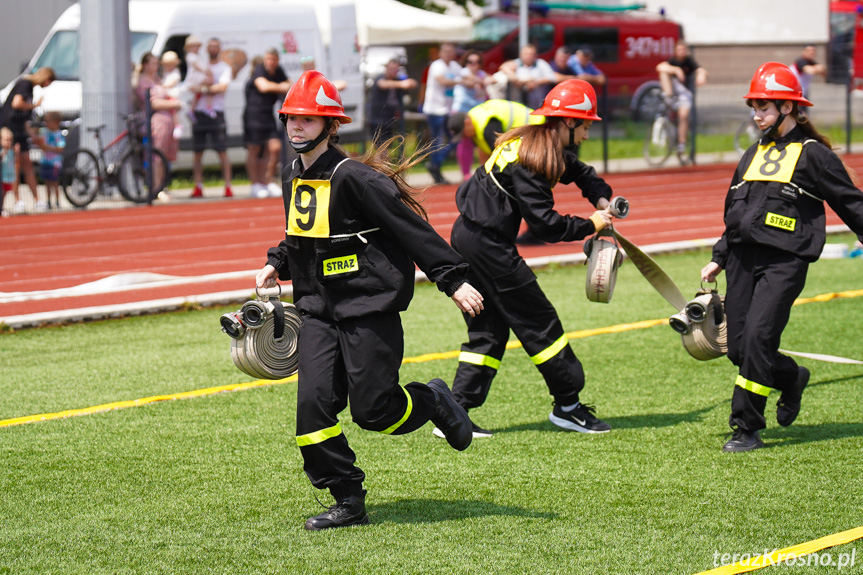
{"x":540,"y":150}
{"x":379,"y":159}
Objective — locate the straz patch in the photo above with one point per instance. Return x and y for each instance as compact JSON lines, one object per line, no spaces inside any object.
{"x":309,"y":214}
{"x":781,"y":222}
{"x":503,"y":156}
{"x":341,"y":265}
{"x":772,"y":165}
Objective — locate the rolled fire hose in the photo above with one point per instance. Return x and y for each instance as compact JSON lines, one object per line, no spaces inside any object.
{"x":604,"y":257}
{"x":264,"y":335}
{"x":711,"y":340}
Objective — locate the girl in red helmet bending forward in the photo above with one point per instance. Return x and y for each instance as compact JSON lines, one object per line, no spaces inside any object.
{"x":515,"y":184}
{"x":352,"y":237}
{"x":774,"y":228}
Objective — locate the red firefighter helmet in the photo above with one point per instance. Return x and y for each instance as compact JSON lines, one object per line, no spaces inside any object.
{"x":314,"y":95}
{"x":570,"y":99}
{"x":775,"y":81}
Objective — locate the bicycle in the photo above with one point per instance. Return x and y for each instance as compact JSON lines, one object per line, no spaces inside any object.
{"x":122,"y":164}
{"x":747,"y":134}
{"x":661,"y":139}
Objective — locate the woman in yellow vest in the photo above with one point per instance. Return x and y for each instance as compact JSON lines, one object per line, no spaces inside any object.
{"x":774,"y":228}
{"x":485,"y":122}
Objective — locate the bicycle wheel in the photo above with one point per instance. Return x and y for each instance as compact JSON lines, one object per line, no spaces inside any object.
{"x":659,"y":142}
{"x":80,"y":178}
{"x":747,"y":134}
{"x":132,"y":176}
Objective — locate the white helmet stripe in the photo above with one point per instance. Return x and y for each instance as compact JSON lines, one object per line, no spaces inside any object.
{"x":586,"y":106}
{"x":770,"y":83}
{"x":323,"y":100}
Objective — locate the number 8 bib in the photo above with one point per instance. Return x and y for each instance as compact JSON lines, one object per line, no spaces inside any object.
{"x":770,"y":164}
{"x":309,"y":214}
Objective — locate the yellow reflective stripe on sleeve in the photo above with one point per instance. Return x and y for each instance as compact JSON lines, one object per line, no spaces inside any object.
{"x":550,"y":351}
{"x":404,"y":418}
{"x":319,"y":436}
{"x":755,"y":388}
{"x":479,"y":359}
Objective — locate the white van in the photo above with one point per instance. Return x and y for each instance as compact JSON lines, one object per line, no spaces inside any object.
{"x":245,"y":28}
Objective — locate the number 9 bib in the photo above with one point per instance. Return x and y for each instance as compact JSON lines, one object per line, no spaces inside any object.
{"x":309,"y":214}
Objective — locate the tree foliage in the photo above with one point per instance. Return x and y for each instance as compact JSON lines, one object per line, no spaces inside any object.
{"x":431,"y":6}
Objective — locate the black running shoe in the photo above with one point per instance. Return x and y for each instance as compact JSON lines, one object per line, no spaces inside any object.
{"x":788,"y":405}
{"x":581,"y":419}
{"x":450,"y":417}
{"x":742,"y":440}
{"x":350,"y":510}
{"x":478,"y":432}
{"x":436,"y":175}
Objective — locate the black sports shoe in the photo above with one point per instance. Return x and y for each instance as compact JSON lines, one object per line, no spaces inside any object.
{"x":436,"y":174}
{"x":477,"y":432}
{"x":742,"y":440}
{"x":350,"y":510}
{"x":450,"y":417}
{"x":581,"y":418}
{"x":788,"y":405}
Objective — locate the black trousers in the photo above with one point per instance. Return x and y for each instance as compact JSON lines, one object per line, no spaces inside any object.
{"x":512,"y":300}
{"x":763,"y":283}
{"x":353,"y":361}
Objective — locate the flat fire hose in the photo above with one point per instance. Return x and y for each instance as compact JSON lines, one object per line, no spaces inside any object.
{"x":705,"y":338}
{"x":264,"y":335}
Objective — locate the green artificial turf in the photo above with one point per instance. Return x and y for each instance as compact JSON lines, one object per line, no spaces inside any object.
{"x":215,"y":484}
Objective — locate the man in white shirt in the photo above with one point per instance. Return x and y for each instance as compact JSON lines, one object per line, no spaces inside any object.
{"x":444,"y":74}
{"x":210,"y":118}
{"x":532,"y":75}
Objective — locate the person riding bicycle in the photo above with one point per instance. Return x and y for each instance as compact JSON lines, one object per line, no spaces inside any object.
{"x":678,"y":76}
{"x":774,"y":228}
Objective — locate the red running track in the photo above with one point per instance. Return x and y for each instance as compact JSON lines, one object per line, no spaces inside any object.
{"x":50,"y":251}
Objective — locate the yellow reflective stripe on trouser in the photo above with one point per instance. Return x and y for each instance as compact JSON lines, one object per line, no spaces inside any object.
{"x":479,"y":359}
{"x":755,"y":388}
{"x":550,"y":351}
{"x":319,"y":436}
{"x":407,"y":414}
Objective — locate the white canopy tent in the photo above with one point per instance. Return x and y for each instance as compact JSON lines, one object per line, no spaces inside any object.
{"x":389,"y":22}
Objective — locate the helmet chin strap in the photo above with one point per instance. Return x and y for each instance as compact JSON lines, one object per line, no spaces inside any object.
{"x":309,"y":145}
{"x":771,"y":131}
{"x":572,"y":130}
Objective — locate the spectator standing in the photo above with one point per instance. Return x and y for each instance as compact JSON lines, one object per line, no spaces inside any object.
{"x":582,"y":64}
{"x":679,"y":76}
{"x":16,"y":114}
{"x":197,"y":71}
{"x":53,"y":142}
{"x":210,"y":119}
{"x":261,"y":133}
{"x":385,"y":118}
{"x":805,"y":67}
{"x":532,"y":76}
{"x":164,"y":109}
{"x":468,"y":94}
{"x":8,"y":166}
{"x":443,"y":76}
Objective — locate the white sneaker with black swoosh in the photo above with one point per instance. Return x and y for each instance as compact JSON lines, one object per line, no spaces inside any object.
{"x":580,"y":418}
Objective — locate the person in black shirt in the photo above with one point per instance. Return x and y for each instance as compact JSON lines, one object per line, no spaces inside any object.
{"x":16,"y":113}
{"x":386,"y":103}
{"x":679,"y":76}
{"x":260,"y":130}
{"x":774,"y":228}
{"x":352,"y":235}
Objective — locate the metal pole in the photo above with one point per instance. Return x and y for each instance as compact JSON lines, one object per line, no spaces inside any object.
{"x":148,"y":148}
{"x":607,"y":119}
{"x":522,"y":24}
{"x":848,"y":126}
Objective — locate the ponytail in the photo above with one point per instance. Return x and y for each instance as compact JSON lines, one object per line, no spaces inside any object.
{"x":379,"y":159}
